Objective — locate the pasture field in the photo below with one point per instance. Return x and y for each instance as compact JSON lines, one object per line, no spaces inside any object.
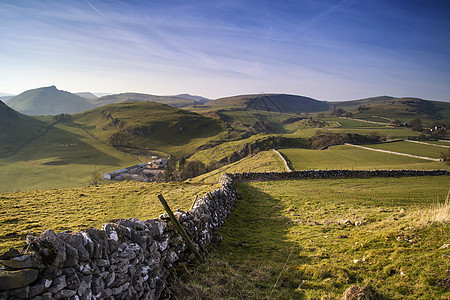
{"x":76,"y":209}
{"x":253,"y":116}
{"x":223,"y":150}
{"x":410,"y":148}
{"x":65,"y":157}
{"x":347,"y":157}
{"x":313,"y":239}
{"x":265,"y":161}
{"x":389,"y":132}
{"x":441,"y":142}
{"x":353,"y":123}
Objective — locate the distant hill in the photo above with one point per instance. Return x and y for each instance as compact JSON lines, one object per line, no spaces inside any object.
{"x":5,"y":98}
{"x":48,"y":101}
{"x":150,"y":125}
{"x":17,"y":129}
{"x":283,"y":103}
{"x":198,"y":99}
{"x":87,"y":95}
{"x":173,"y":101}
{"x":397,"y":108}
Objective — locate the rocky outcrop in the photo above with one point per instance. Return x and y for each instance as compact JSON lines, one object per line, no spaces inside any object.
{"x":126,"y":259}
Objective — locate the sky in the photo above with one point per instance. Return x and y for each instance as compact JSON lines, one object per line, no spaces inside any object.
{"x":324,"y":49}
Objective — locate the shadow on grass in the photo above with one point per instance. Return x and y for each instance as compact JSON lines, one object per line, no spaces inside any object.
{"x":253,"y":260}
{"x":64,"y":147}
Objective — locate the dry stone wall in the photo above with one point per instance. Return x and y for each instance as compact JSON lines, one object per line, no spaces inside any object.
{"x":129,"y":258}
{"x":126,"y":259}
{"x":317,"y":174}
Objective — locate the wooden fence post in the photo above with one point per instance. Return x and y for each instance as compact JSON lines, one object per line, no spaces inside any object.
{"x":180,"y":229}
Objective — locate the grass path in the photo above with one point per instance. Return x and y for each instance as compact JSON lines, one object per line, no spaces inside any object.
{"x":284,"y":160}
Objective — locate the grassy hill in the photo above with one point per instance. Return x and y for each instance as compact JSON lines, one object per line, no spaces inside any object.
{"x":273,"y":102}
{"x":88,"y":95}
{"x":17,"y":129}
{"x":265,"y":161}
{"x":48,"y":101}
{"x":197,"y":99}
{"x":149,"y":125}
{"x":174,"y":101}
{"x":66,"y":156}
{"x":403,"y":109}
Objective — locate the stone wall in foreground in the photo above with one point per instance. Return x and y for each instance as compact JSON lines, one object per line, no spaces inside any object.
{"x":127,"y":259}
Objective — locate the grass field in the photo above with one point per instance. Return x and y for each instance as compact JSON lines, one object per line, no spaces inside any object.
{"x":410,"y":148}
{"x":352,"y":123}
{"x":298,"y":240}
{"x":75,"y":209}
{"x":224,"y":150}
{"x":266,"y":161}
{"x":347,"y":157}
{"x":441,"y":142}
{"x":65,"y":157}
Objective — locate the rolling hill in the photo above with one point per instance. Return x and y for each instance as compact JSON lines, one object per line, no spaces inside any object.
{"x":87,"y":95}
{"x":198,"y":99}
{"x":400,"y":108}
{"x":282,"y":103}
{"x":174,"y":101}
{"x":48,"y":101}
{"x":17,"y":129}
{"x":153,"y":126}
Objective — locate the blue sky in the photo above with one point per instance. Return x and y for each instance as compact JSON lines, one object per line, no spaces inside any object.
{"x":328,"y":50}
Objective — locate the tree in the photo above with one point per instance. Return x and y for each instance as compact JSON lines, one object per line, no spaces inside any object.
{"x":415,"y":125}
{"x":337,"y":112}
{"x":446,"y":157}
{"x":95,"y":178}
{"x":396,"y":123}
{"x":192,"y":168}
{"x":348,"y":114}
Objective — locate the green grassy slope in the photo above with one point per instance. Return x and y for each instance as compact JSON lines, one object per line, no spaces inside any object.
{"x":65,"y":157}
{"x":411,"y":148}
{"x":265,"y":161}
{"x":48,"y":101}
{"x":288,"y":240}
{"x":149,"y":125}
{"x":347,"y":157}
{"x":17,"y":129}
{"x":403,"y":109}
{"x":65,"y":209}
{"x":173,"y":101}
{"x":273,"y":102}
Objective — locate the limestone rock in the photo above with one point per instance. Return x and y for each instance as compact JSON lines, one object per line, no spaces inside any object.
{"x":11,"y":253}
{"x":22,"y":262}
{"x":17,"y":279}
{"x":360,"y":293}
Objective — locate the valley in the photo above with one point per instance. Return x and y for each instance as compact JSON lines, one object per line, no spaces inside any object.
{"x":285,"y":239}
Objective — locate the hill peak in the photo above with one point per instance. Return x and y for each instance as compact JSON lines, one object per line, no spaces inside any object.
{"x":48,"y":101}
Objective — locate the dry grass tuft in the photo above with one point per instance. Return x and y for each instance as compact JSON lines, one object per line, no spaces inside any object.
{"x":438,"y":212}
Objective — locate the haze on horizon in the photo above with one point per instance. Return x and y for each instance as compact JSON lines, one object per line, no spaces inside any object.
{"x":328,"y":50}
